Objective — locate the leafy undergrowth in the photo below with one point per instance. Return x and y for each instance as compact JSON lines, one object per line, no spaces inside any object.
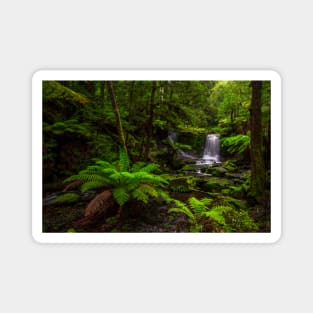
{"x":151,"y":217}
{"x":136,"y":217}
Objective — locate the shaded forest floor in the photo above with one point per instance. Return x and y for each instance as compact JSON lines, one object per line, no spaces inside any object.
{"x":137,"y":217}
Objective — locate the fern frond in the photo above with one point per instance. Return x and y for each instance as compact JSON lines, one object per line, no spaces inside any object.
{"x":144,"y":191}
{"x":108,"y":171}
{"x":123,"y":161}
{"x":140,"y":195}
{"x":150,"y":168}
{"x":84,"y":177}
{"x":199,"y":206}
{"x":150,"y":178}
{"x":99,"y":204}
{"x":127,"y":178}
{"x":164,"y":195}
{"x":184,"y":210}
{"x":151,"y":191}
{"x":105,"y":164}
{"x":137,"y":166}
{"x":196,"y":205}
{"x":216,"y":213}
{"x":206,"y":201}
{"x":93,"y":185}
{"x":92,"y":169}
{"x":120,"y":195}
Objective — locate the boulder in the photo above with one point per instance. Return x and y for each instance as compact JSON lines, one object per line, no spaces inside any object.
{"x":216,"y":184}
{"x":216,"y":171}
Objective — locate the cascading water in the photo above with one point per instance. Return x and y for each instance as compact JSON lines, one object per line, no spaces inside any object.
{"x":210,"y":156}
{"x":211,"y":152}
{"x":212,"y":148}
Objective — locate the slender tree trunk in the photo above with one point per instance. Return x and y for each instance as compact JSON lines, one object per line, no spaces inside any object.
{"x":117,"y":116}
{"x":150,"y":121}
{"x":102,"y":95}
{"x":257,"y":161}
{"x":130,"y":107}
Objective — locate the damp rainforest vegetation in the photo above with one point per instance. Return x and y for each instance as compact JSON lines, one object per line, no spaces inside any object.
{"x":156,"y":156}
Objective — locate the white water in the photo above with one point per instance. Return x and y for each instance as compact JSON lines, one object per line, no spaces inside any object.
{"x":211,"y":152}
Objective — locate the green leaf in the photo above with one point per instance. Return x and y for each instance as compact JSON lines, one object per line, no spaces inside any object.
{"x":123,"y":161}
{"x":120,"y":195}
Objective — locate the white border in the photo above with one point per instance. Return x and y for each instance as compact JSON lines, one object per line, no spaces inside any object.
{"x":276,"y":148}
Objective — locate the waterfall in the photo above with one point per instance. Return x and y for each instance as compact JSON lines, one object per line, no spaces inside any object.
{"x":211,"y":151}
{"x":172,"y":138}
{"x":212,"y":148}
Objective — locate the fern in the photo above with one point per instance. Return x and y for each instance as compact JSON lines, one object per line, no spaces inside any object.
{"x":223,"y":217}
{"x":182,"y":208}
{"x":120,"y":195}
{"x":123,"y":161}
{"x":236,"y":144}
{"x":150,"y":168}
{"x":216,"y":213}
{"x":137,"y":166}
{"x":140,"y":195}
{"x":138,"y":183}
{"x":91,"y":185}
{"x":199,"y":206}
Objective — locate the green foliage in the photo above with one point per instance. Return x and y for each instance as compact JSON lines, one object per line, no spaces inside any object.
{"x":69,"y":126}
{"x":194,"y":210}
{"x":138,"y":183}
{"x":103,"y":147}
{"x":183,"y":183}
{"x":67,"y":198}
{"x":181,"y":207}
{"x":230,"y":165}
{"x":60,"y":95}
{"x":236,"y":144}
{"x":240,"y":190}
{"x":240,"y":221}
{"x":217,"y":212}
{"x":223,"y":217}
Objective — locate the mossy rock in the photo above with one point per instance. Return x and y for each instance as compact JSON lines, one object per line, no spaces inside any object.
{"x":230,"y":165}
{"x":189,"y":168}
{"x":216,"y":184}
{"x":216,"y":171}
{"x":183,"y":183}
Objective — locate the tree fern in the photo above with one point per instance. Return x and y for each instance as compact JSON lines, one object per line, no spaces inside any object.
{"x":92,"y":185}
{"x":138,"y":183}
{"x":123,"y":161}
{"x":121,"y":195}
{"x":137,"y":166}
{"x":149,"y":168}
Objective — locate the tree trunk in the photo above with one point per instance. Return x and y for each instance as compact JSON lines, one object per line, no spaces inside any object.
{"x":102,"y":95}
{"x":257,"y":161}
{"x":150,"y":121}
{"x":117,"y":116}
